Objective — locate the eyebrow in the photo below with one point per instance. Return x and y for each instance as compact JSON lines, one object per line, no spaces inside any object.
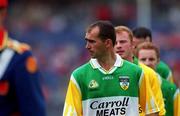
{"x":86,"y":39}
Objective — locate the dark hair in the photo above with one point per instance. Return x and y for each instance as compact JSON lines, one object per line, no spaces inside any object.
{"x":142,"y":33}
{"x":106,"y":30}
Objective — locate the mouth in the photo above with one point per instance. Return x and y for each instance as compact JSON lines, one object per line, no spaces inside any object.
{"x":90,"y":52}
{"x":120,"y":52}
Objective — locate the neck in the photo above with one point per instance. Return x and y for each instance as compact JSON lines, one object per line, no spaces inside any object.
{"x":130,"y":59}
{"x":107,"y":61}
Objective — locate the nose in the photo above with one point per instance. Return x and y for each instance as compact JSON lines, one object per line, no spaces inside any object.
{"x":87,"y":45}
{"x":118,"y":45}
{"x":147,"y":62}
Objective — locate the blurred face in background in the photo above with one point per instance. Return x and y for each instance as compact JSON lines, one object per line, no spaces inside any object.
{"x":148,"y":57}
{"x":123,"y":45}
{"x":137,"y":41}
{"x":94,"y":44}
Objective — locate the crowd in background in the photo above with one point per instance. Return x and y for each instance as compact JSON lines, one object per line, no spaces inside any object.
{"x":55,"y":30}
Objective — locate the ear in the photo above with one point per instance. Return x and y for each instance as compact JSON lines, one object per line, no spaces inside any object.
{"x":133,"y":44}
{"x":108,"y":42}
{"x":147,"y":39}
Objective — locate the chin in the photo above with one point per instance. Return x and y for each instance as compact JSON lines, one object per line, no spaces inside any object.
{"x":122,"y":56}
{"x":150,"y":66}
{"x":93,"y":57}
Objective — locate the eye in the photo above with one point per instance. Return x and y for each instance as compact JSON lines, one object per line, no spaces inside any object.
{"x":151,"y":59}
{"x":123,"y":41}
{"x":90,"y":41}
{"x":143,"y":59}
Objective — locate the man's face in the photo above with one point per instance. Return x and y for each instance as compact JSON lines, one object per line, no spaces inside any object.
{"x":148,"y":57}
{"x":94,"y":44}
{"x":123,"y":45}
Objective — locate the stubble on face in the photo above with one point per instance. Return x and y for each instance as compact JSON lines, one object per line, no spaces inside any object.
{"x":94,"y":43}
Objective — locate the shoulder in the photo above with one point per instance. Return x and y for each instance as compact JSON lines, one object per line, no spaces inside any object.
{"x":17,"y":46}
{"x":164,"y":70}
{"x":82,"y":69}
{"x":131,"y":65}
{"x":153,"y":75}
{"x":168,"y":86}
{"x":162,"y":66}
{"x":23,"y":55}
{"x":125,"y":62}
{"x":146,"y":68}
{"x":131,"y":68}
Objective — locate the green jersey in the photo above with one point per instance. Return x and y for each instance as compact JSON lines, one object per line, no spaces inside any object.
{"x":109,"y":93}
{"x":164,"y":71}
{"x":169,"y":91}
{"x":154,"y":84}
{"x":94,"y":91}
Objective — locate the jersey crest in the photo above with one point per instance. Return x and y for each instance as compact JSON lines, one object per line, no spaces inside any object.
{"x":124,"y":82}
{"x":93,"y":84}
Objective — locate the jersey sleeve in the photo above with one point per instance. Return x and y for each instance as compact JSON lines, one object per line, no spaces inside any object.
{"x":73,"y":101}
{"x":177,"y":103}
{"x":146,"y":97}
{"x":27,"y":86}
{"x":155,"y":84}
{"x":164,"y":71}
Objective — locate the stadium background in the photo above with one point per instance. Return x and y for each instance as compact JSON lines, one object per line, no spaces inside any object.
{"x":55,"y":29}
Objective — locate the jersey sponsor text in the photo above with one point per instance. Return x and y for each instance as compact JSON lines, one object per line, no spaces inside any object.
{"x":108,"y":107}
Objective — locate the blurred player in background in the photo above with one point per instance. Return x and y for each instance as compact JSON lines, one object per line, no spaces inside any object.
{"x":124,"y":47}
{"x":142,"y":34}
{"x":107,"y":85}
{"x":148,"y":54}
{"x":20,"y":90}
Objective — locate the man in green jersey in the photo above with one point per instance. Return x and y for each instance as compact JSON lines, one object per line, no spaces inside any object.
{"x":142,"y":34}
{"x":124,"y":47}
{"x":107,"y":85}
{"x":148,"y":54}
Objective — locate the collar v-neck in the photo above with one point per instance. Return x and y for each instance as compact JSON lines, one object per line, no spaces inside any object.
{"x":118,"y":63}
